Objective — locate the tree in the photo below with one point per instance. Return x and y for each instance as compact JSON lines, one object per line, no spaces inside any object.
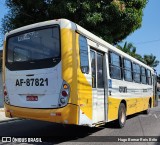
{"x":1,"y":60}
{"x":128,"y":48}
{"x":140,"y":58}
{"x":151,"y":60}
{"x":113,"y":20}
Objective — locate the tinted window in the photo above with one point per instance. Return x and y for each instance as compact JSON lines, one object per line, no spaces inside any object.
{"x":33,"y":49}
{"x":34,"y":45}
{"x":83,"y":54}
{"x":136,"y":73}
{"x":149,"y":78}
{"x":115,"y":66}
{"x":115,"y":59}
{"x":143,"y":75}
{"x":127,"y":70}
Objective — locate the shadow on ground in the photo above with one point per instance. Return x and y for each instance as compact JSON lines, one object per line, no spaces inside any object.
{"x":51,"y":132}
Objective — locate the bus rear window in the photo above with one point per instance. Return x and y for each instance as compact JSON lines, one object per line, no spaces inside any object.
{"x":39,"y":45}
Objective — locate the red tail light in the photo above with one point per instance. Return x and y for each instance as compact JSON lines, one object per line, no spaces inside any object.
{"x":5,"y":93}
{"x":6,"y":98}
{"x":64,"y":93}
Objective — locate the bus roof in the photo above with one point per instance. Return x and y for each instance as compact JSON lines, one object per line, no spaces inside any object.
{"x":64,"y":23}
{"x":100,"y":41}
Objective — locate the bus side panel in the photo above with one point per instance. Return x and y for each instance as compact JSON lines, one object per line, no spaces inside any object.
{"x":142,"y":104}
{"x":134,"y":105}
{"x":69,"y":65}
{"x":113,"y":104}
{"x":136,"y":98}
{"x":69,"y":62}
{"x":131,"y":105}
{"x":146,"y":101}
{"x":3,"y":63}
{"x":65,"y":115}
{"x":84,"y":90}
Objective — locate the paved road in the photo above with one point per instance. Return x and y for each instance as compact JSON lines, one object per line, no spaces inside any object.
{"x":136,"y":125}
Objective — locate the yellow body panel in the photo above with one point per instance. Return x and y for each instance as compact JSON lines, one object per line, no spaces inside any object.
{"x":133,"y":105}
{"x":81,"y":90}
{"x":69,"y":114}
{"x":69,"y":62}
{"x":113,"y":104}
{"x":84,"y":88}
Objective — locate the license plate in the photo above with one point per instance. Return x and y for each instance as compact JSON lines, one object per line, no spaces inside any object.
{"x":32,"y":98}
{"x":32,"y":82}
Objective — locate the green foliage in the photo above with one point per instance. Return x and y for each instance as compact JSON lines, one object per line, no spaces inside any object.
{"x":151,"y":60}
{"x":113,"y":20}
{"x":130,"y":49}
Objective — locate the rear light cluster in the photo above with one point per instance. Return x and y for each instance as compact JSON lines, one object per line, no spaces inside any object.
{"x":6,"y":98}
{"x":64,"y":94}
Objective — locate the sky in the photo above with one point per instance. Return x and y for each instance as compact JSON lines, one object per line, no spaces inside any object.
{"x":146,"y":39}
{"x":3,"y":11}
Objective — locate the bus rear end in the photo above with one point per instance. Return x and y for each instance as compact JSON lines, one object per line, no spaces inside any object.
{"x":34,"y":86}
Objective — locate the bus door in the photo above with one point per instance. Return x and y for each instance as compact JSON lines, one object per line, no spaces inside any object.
{"x":97,"y":72}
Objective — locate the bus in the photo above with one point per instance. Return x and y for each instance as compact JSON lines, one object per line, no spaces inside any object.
{"x":59,"y":72}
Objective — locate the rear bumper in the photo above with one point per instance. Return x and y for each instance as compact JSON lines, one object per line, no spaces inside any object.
{"x":66,"y":115}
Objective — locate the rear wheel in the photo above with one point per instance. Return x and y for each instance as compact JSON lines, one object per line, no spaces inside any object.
{"x":121,"y":115}
{"x":147,"y":111}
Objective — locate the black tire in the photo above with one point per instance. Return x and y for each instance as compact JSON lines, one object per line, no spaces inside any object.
{"x":148,"y":110}
{"x":121,"y":116}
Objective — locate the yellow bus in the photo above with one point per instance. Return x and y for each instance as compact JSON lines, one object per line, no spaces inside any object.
{"x":59,"y":72}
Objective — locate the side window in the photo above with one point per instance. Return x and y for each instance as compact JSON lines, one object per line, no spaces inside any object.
{"x":115,"y":66}
{"x":93,"y":67}
{"x":136,"y":73}
{"x":143,"y":75}
{"x":127,"y":70}
{"x":149,"y":78}
{"x":83,"y":54}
